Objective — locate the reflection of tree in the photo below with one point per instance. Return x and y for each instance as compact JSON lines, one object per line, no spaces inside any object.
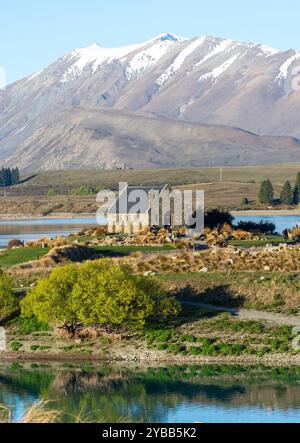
{"x":108,"y":394}
{"x":20,"y":389}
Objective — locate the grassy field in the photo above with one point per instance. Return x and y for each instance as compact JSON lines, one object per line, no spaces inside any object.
{"x":237,"y":183}
{"x":194,"y":333}
{"x":273,"y":240}
{"x":274,"y":291}
{"x":70,"y":179}
{"x":15,"y":257}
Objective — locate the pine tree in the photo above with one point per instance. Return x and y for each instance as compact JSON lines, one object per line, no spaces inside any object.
{"x":9,"y":176}
{"x":17,"y":175}
{"x":296,"y":194}
{"x":266,"y":193}
{"x":286,"y":196}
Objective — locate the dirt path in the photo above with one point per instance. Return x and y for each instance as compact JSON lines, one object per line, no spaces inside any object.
{"x":250,"y":314}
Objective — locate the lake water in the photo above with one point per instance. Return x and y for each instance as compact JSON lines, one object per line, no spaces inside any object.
{"x":33,"y":229}
{"x":280,"y":221}
{"x":172,"y":394}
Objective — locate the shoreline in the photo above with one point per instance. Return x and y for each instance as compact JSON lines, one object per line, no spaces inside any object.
{"x":72,"y":215}
{"x":266,"y":212}
{"x":59,"y":215}
{"x":271,"y":360}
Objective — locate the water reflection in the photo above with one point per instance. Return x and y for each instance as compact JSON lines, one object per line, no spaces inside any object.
{"x":281,"y":222}
{"x":174,"y":394}
{"x":27,"y":230}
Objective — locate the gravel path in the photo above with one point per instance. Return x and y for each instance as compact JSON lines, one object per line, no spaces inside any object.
{"x":251,"y":314}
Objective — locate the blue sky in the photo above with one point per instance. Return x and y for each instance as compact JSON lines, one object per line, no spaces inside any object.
{"x":33,"y":33}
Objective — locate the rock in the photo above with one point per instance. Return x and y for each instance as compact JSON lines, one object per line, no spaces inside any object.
{"x":204,"y":270}
{"x":229,"y":262}
{"x":296,"y":330}
{"x":271,"y":248}
{"x":267,"y":268}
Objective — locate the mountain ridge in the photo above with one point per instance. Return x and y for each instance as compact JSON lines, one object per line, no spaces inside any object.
{"x":204,"y":80}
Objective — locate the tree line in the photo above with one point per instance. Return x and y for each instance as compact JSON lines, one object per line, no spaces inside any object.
{"x":289,"y":195}
{"x":9,"y":176}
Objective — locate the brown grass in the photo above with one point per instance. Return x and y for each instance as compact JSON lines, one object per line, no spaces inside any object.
{"x":31,"y":198}
{"x":40,"y":412}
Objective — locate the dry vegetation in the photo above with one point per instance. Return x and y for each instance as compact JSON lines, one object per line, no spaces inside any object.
{"x":281,"y":259}
{"x":238,"y":183}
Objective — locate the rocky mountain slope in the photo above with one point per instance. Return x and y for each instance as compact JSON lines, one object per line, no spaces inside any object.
{"x":108,"y":139}
{"x":205,"y":80}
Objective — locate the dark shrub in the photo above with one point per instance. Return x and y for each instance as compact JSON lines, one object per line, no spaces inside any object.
{"x":217,"y":217}
{"x":15,"y":243}
{"x":262,"y":227}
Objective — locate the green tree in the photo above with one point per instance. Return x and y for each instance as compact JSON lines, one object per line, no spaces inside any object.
{"x":266,"y":192}
{"x":51,"y":300}
{"x":8,"y":301}
{"x":97,"y":293}
{"x":286,"y":196}
{"x":296,"y":193}
{"x":9,"y":176}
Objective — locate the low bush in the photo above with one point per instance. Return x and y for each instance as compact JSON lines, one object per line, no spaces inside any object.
{"x":86,"y":190}
{"x":15,"y":243}
{"x":261,"y":227}
{"x":8,"y":301}
{"x":52,"y":193}
{"x":217,"y":217}
{"x":29,"y":325}
{"x":15,"y":346}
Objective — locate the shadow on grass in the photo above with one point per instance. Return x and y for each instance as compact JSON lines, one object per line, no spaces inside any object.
{"x":110,"y":253}
{"x":218,"y":296}
{"x":27,"y":179}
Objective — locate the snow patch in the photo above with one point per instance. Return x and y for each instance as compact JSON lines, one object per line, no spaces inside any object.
{"x":221,"y":47}
{"x":35,"y":75}
{"x":220,"y":70}
{"x":284,"y":68}
{"x":96,"y":56}
{"x":268,"y":50}
{"x":179,"y":61}
{"x":147,"y":58}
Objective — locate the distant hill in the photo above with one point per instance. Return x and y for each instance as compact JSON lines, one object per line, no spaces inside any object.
{"x":107,"y":139}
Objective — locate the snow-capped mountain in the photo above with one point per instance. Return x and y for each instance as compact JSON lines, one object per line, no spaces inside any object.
{"x":205,"y":80}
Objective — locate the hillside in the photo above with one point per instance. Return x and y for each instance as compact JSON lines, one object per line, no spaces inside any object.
{"x":105,"y":139}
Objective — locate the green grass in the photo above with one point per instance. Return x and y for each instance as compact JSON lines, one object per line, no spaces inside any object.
{"x":274,"y":240}
{"x":30,"y":325}
{"x":17,"y":256}
{"x":234,"y":337}
{"x":273,"y":291}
